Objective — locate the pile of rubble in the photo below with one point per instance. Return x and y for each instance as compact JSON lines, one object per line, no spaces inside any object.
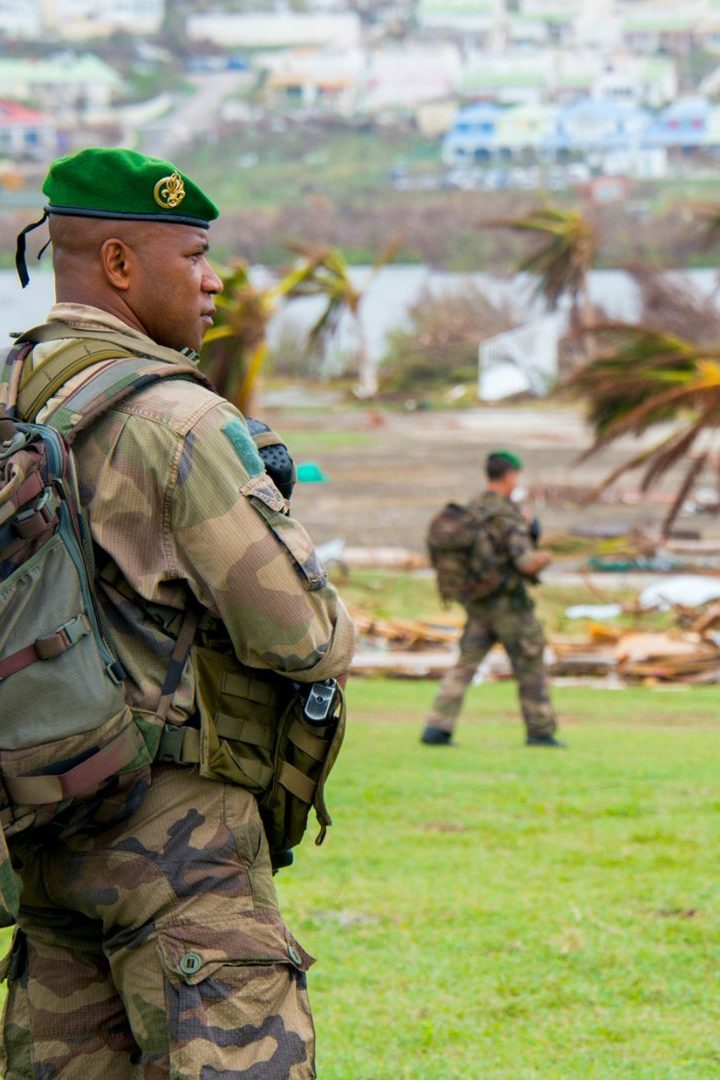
{"x":424,"y":648}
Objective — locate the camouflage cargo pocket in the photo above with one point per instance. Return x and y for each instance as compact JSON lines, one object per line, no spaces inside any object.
{"x":237,"y":1000}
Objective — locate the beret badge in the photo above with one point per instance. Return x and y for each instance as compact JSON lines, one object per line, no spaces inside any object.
{"x":169,"y":192}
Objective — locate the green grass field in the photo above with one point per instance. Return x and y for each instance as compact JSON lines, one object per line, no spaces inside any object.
{"x":493,"y":911}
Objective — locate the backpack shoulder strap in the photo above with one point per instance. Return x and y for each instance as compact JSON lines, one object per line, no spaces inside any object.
{"x":72,"y":357}
{"x":107,"y":387}
{"x":11,"y":366}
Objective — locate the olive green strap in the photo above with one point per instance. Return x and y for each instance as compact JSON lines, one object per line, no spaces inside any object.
{"x":245,"y":731}
{"x":296,"y":782}
{"x":313,"y":746}
{"x":72,"y":357}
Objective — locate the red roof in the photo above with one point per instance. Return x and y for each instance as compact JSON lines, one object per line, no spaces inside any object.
{"x":11,"y":113}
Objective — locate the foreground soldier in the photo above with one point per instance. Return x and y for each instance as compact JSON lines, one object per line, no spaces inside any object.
{"x":154,"y":948}
{"x":506,"y":616}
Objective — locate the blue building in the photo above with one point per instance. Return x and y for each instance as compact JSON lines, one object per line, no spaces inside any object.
{"x":472,"y":138}
{"x":599,"y":127}
{"x":684,"y":125}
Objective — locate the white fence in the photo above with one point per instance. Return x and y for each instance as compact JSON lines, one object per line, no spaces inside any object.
{"x":521,"y":360}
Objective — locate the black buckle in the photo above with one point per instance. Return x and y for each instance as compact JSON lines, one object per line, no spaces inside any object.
{"x":171,"y":745}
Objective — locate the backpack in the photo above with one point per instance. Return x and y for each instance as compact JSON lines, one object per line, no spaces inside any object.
{"x":67,"y":738}
{"x":467,"y":564}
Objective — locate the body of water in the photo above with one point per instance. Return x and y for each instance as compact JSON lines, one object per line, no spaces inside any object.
{"x":390,"y":295}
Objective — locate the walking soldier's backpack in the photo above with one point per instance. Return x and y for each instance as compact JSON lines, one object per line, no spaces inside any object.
{"x":463,"y":554}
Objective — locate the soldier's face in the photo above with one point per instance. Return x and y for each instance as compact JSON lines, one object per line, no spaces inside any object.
{"x":510,"y":480}
{"x":173,"y":285}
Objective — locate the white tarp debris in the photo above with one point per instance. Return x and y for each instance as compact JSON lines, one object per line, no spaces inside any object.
{"x":688,"y":590}
{"x":599,"y":612}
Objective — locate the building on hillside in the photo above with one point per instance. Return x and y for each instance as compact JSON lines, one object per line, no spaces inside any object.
{"x":598,"y":26}
{"x":69,"y":86}
{"x":508,"y":79}
{"x":558,"y":17}
{"x":520,"y":133}
{"x":597,"y":127}
{"x":639,"y":80}
{"x":314,"y":78}
{"x":472,"y":138}
{"x":481,"y":21}
{"x":75,"y":20}
{"x":274,"y":31}
{"x":671,"y":30}
{"x":685,"y":125}
{"x":26,"y":134}
{"x":404,"y":78}
{"x":20,"y":20}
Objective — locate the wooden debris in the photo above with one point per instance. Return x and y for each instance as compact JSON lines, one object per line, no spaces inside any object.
{"x":408,"y":633}
{"x":426,"y":648}
{"x":667,"y":657}
{"x":709,"y":618}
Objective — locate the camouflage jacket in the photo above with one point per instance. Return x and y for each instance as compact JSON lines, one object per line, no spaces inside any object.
{"x":510,"y":533}
{"x":178,"y":501}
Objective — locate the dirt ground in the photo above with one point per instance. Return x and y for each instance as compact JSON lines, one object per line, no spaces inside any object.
{"x":389,"y":471}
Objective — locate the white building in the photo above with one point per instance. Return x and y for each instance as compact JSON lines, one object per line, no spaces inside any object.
{"x":465,"y":15}
{"x":20,"y":20}
{"x":68,"y":86}
{"x":276,"y":31}
{"x":404,"y":78}
{"x":77,"y":19}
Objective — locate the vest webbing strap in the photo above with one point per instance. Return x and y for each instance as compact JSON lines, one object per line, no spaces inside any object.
{"x":244,"y":731}
{"x":305,"y":740}
{"x":105,"y":762}
{"x":297,"y":783}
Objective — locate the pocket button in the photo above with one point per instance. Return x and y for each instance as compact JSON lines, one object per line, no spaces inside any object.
{"x":190,"y":962}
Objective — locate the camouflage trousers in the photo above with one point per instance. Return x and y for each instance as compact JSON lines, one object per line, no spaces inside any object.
{"x":155,"y":949}
{"x":521,"y":635}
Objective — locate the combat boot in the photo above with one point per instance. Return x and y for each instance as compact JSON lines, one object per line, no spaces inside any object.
{"x":435,"y":736}
{"x":545,"y":740}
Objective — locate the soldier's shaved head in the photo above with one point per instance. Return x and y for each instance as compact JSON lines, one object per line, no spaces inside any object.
{"x":154,"y":276}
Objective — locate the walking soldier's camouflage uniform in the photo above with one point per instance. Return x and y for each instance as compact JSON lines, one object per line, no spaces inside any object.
{"x":154,"y":947}
{"x":507,"y":617}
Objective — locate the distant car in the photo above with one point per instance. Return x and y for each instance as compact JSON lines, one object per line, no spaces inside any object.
{"x":237,"y":63}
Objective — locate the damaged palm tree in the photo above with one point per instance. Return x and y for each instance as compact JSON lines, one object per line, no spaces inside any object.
{"x":235,"y":348}
{"x":331,"y":280}
{"x":562,"y":261}
{"x":641,"y":378}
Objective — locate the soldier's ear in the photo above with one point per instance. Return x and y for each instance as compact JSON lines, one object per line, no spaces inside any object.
{"x":117,"y":259}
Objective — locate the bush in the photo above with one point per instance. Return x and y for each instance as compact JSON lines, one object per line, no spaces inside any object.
{"x":440,"y":347}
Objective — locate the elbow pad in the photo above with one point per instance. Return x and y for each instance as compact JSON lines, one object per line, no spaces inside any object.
{"x":279,"y":466}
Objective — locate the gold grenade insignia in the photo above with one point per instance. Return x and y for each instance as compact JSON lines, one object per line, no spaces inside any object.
{"x":169,"y":192}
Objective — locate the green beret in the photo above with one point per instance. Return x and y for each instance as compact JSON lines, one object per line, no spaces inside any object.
{"x":506,"y":455}
{"x":116,"y":183}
